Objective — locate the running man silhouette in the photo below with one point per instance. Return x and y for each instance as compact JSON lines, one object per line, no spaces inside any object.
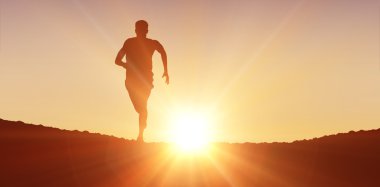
{"x":139,"y":76}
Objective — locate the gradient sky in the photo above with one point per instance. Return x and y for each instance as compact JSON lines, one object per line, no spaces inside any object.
{"x":274,"y":70}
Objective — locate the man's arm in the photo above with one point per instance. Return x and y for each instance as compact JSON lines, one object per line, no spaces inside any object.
{"x":119,"y":57}
{"x":164,"y":59}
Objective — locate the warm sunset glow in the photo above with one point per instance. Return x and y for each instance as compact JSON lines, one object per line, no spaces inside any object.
{"x":273,"y":70}
{"x":191,"y":131}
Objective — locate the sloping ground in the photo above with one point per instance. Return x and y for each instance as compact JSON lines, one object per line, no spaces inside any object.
{"x":34,"y":155}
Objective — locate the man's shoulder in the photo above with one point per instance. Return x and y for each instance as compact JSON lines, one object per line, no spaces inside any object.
{"x":152,"y":40}
{"x":147,"y":41}
{"x":155,"y":43}
{"x":130,"y":39}
{"x":135,"y":39}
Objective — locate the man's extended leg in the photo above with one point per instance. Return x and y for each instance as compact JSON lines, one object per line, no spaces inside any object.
{"x":142,"y":109}
{"x":139,"y":97}
{"x":139,"y":93}
{"x":143,"y":115}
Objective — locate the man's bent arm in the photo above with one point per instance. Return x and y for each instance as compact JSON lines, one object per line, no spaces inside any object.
{"x":164,"y":59}
{"x":119,"y":58}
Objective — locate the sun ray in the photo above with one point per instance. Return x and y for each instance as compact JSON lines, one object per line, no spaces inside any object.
{"x":240,"y":71}
{"x":94,"y":23}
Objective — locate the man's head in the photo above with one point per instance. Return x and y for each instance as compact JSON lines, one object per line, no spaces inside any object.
{"x":141,"y":28}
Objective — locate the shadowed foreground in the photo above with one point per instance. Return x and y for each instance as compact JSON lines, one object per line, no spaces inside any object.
{"x":34,"y":155}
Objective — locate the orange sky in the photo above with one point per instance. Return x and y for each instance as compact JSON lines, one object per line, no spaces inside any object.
{"x":267,"y":70}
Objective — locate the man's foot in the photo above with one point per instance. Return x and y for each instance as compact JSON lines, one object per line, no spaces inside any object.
{"x":140,"y":139}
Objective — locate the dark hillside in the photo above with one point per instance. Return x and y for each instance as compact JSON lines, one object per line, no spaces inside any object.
{"x":34,"y":155}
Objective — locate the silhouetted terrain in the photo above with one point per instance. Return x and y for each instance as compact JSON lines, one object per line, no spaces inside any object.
{"x":34,"y":155}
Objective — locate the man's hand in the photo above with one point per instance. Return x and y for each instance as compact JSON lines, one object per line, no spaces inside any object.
{"x":166,"y":76}
{"x":124,"y":65}
{"x":121,"y":63}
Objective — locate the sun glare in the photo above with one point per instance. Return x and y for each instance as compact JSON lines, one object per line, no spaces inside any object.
{"x":191,"y":131}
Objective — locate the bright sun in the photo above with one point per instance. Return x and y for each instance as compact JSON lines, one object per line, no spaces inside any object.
{"x":191,"y":131}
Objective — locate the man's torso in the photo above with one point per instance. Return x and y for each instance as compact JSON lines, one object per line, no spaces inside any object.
{"x":139,"y":54}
